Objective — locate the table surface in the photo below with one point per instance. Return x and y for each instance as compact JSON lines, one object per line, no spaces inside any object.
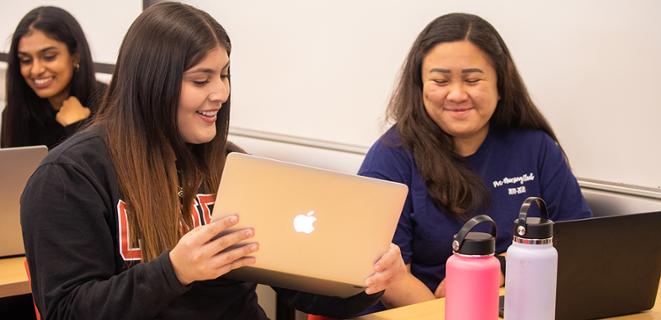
{"x":13,"y":279}
{"x":434,"y":309}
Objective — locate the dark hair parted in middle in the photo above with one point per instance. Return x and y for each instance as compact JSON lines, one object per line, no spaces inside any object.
{"x":451,"y":184}
{"x":139,"y":118}
{"x":25,"y":110}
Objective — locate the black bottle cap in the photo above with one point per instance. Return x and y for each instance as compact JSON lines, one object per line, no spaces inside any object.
{"x":478,"y":243}
{"x":475,"y":243}
{"x":533,"y":228}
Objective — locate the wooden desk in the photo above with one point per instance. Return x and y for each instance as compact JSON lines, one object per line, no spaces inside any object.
{"x":13,"y":279}
{"x":434,"y":309}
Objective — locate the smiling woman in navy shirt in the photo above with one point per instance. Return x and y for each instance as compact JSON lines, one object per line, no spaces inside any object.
{"x":467,"y":140}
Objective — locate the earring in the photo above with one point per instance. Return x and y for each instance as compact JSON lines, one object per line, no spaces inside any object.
{"x":76,"y":66}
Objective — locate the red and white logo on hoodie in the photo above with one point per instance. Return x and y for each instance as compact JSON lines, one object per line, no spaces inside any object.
{"x":200,"y":214}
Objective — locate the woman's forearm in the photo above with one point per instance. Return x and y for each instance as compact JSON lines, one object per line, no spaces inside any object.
{"x":407,"y":290}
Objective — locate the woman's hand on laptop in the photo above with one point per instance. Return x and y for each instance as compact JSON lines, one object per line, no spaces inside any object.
{"x":388,"y":269}
{"x":201,"y":254}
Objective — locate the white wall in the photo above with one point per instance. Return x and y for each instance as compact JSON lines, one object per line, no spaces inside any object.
{"x":604,"y":203}
{"x":311,"y":156}
{"x":325,"y":70}
{"x":3,"y":88}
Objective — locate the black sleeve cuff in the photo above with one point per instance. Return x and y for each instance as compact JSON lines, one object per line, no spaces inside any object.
{"x":172,"y":282}
{"x":329,"y":306}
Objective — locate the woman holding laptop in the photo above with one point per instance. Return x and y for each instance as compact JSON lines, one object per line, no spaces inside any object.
{"x":114,"y":219}
{"x":467,"y":140}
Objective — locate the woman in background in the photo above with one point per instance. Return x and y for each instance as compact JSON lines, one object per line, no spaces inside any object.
{"x":467,"y":140}
{"x":113,"y":219}
{"x":51,"y":87}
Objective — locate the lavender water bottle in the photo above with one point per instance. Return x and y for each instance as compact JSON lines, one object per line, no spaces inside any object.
{"x":532,"y":267}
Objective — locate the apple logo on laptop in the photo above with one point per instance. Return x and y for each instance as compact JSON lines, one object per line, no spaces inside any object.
{"x":305,"y":222}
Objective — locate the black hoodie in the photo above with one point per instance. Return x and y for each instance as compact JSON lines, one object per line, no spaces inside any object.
{"x":82,"y":267}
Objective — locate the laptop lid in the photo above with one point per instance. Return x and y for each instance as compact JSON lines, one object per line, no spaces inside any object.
{"x":607,"y":266}
{"x":319,"y":231}
{"x":16,"y":166}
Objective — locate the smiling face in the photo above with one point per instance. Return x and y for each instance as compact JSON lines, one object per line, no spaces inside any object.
{"x":460,"y":92}
{"x":46,"y":65}
{"x":204,"y":89}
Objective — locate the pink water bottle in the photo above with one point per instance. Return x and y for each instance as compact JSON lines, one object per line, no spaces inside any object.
{"x":472,"y":274}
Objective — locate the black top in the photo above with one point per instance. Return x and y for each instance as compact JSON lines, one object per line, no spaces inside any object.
{"x":74,"y":228}
{"x":535,"y":228}
{"x":472,"y":242}
{"x":48,"y":131}
{"x":478,"y":244}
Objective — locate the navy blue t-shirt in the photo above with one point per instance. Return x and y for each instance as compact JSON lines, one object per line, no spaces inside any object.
{"x":513,"y":164}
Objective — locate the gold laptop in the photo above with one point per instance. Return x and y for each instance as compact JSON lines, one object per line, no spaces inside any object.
{"x":16,"y":166}
{"x":319,"y":231}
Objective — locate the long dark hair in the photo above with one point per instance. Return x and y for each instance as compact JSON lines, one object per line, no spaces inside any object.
{"x":451,"y":184}
{"x":24,"y":108}
{"x":138,"y":115}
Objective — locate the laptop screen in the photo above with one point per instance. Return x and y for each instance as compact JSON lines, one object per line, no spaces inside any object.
{"x":16,"y":166}
{"x":319,"y":231}
{"x":607,"y":266}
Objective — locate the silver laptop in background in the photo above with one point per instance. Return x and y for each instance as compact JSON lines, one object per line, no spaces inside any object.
{"x":319,"y":231}
{"x":16,"y":166}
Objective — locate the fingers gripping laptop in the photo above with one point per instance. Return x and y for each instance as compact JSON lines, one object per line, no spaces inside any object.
{"x":319,"y":231}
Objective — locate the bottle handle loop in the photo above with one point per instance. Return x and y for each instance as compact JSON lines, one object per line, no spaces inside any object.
{"x":521,"y":222}
{"x":459,"y":238}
